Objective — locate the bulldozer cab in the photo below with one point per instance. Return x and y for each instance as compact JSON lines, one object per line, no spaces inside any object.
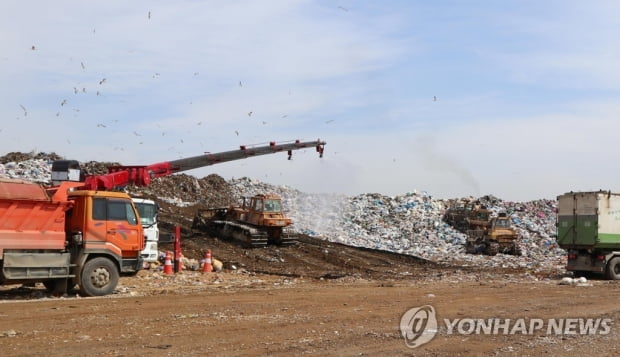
{"x":264,"y":203}
{"x":501,"y":222}
{"x":273,"y":206}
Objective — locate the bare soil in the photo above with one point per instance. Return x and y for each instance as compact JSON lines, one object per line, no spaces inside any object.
{"x":314,"y":298}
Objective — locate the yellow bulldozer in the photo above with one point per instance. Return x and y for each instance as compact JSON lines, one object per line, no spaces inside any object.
{"x":256,"y":222}
{"x":496,"y":235}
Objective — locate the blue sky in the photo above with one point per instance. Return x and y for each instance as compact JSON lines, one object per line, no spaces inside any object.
{"x":518,"y":99}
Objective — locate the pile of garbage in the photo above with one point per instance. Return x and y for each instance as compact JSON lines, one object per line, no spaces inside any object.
{"x":410,"y":223}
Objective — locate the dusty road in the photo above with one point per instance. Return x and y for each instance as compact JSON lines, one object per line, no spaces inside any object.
{"x":350,"y":304}
{"x":286,"y":317}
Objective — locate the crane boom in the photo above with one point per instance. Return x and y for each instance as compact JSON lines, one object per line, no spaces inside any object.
{"x":119,"y":176}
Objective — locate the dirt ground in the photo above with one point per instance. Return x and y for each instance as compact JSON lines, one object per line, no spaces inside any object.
{"x":314,"y":298}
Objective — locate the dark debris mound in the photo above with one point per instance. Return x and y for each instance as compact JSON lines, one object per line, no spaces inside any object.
{"x":207,"y":192}
{"x":96,"y":168}
{"x":21,"y":156}
{"x":212,"y":190}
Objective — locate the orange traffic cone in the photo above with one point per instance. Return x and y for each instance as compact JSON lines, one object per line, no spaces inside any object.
{"x":168,"y":264}
{"x":207,"y":267}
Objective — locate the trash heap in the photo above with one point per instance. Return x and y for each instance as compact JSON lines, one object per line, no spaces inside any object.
{"x":35,"y":170}
{"x":413,"y":224}
{"x":410,"y":223}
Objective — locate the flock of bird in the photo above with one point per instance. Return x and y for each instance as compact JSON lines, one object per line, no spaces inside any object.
{"x":80,"y":89}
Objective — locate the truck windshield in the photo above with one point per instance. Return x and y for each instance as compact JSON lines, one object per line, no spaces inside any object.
{"x":147,"y":212}
{"x":272,"y":206}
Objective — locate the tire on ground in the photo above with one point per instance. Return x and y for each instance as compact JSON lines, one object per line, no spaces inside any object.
{"x":99,"y":277}
{"x":613,"y":269}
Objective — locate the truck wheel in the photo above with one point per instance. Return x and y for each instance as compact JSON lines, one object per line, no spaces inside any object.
{"x":613,"y":269}
{"x":99,"y":277}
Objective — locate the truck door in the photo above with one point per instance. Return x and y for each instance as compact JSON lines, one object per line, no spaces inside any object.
{"x":122,"y":228}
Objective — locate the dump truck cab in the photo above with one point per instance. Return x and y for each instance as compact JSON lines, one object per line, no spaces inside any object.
{"x":109,"y":224}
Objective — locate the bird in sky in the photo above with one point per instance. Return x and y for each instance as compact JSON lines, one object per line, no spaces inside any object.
{"x":101,"y":81}
{"x":64,"y":101}
{"x":434,"y":98}
{"x":33,"y":48}
{"x":136,"y":134}
{"x":236,"y":132}
{"x":264,"y":122}
{"x":24,"y":109}
{"x":75,"y":90}
{"x":101,"y":126}
{"x":240,"y":84}
{"x":149,"y":15}
{"x":250,"y":114}
{"x":284,"y":116}
{"x":329,"y":121}
{"x":83,"y":67}
{"x":343,"y":8}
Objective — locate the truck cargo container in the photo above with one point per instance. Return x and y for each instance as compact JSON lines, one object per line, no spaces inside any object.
{"x":588,"y":228}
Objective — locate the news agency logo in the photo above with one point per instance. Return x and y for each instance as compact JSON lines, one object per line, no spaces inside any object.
{"x":418,"y":325}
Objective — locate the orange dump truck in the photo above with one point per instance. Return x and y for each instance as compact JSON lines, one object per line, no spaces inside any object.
{"x":67,"y":236}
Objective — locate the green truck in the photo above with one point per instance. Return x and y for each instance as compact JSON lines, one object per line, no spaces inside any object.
{"x":588,"y":228}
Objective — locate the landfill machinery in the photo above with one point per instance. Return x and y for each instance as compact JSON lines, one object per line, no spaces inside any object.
{"x":80,"y":231}
{"x":258,"y":221}
{"x":120,"y":176}
{"x":485,"y":234}
{"x":493,"y":236}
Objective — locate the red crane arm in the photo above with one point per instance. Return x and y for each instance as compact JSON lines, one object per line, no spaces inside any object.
{"x":119,"y":176}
